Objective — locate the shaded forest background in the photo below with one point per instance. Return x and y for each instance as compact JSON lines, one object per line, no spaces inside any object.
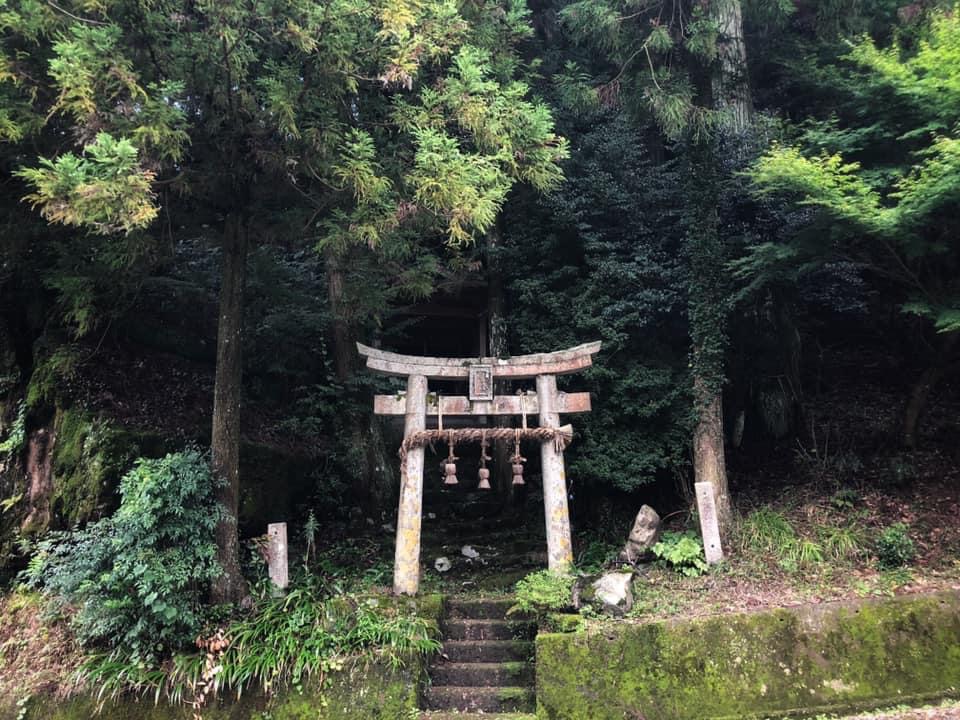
{"x":830,"y":317}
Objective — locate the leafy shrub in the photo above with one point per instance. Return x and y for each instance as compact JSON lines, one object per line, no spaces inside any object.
{"x":894,"y":547}
{"x":542,"y":592}
{"x":683,"y":552}
{"x":136,"y":580}
{"x":596,"y":554}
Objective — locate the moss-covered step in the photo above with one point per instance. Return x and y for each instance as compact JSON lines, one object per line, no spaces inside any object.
{"x":478,"y":608}
{"x":487,"y":651}
{"x":480,"y":699}
{"x":441,"y":715}
{"x":477,"y":629}
{"x":479,"y":674}
{"x":790,"y":661}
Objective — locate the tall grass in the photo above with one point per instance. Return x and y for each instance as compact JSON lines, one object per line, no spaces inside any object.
{"x":768,"y":532}
{"x":286,"y":641}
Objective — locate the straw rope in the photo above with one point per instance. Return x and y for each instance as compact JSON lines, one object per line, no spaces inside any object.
{"x":422,"y":438}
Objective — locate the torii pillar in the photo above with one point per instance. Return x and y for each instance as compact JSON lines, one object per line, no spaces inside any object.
{"x":481,"y":373}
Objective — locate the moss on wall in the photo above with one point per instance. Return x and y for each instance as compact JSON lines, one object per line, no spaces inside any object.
{"x":90,"y":455}
{"x":365,"y":691}
{"x":777,"y":663}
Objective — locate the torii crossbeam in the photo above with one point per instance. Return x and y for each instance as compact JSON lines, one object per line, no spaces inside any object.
{"x":481,"y":373}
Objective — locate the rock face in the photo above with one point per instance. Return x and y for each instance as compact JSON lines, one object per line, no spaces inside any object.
{"x":644,"y":535}
{"x":614,"y":592}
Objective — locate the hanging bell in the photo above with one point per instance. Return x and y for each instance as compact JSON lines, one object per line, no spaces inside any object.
{"x":484,"y":475}
{"x":450,"y":473}
{"x":518,"y":474}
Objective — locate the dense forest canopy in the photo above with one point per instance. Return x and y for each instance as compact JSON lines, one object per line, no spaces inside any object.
{"x":206,"y":204}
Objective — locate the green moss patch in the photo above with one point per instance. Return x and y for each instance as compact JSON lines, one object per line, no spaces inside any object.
{"x":784,"y":662}
{"x":365,"y":691}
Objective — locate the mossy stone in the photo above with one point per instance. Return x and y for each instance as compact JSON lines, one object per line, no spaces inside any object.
{"x":820,"y":658}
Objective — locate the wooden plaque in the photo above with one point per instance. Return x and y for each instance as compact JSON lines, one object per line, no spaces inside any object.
{"x":481,"y":382}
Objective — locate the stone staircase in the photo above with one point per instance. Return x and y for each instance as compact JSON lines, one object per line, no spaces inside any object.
{"x":509,"y":546}
{"x":486,"y":666}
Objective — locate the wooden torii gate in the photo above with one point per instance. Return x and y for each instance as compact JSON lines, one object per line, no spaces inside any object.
{"x":481,"y":374}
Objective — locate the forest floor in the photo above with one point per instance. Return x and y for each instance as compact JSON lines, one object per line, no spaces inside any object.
{"x":805,"y":546}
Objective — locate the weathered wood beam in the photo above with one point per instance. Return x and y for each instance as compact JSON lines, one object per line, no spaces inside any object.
{"x":500,"y":405}
{"x":519,"y":367}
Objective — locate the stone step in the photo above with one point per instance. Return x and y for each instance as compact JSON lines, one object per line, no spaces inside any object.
{"x":482,"y":526}
{"x":478,"y":608}
{"x":473,"y":629}
{"x":440,"y":715}
{"x":504,"y":544}
{"x":480,"y":699}
{"x":487,"y":651}
{"x":475,"y":674}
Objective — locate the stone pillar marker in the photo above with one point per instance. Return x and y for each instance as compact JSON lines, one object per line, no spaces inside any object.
{"x":277,"y":554}
{"x":709,"y":527}
{"x":559,"y":549}
{"x":406,"y":567}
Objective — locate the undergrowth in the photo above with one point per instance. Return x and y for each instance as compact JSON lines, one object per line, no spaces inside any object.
{"x":286,"y":641}
{"x":769,"y":532}
{"x":543,"y":592}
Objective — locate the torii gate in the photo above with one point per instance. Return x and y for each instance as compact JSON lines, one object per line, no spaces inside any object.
{"x":481,"y":373}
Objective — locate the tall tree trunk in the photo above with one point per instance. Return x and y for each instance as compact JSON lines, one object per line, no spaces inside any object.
{"x":225,"y":438}
{"x":731,"y":94}
{"x":373,"y":476}
{"x":497,"y":347}
{"x":731,"y":81}
{"x":707,"y":312}
{"x":923,"y":387}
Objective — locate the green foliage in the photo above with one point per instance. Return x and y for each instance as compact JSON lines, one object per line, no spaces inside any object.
{"x":50,"y":374}
{"x":895,"y":547}
{"x":842,"y":542}
{"x":17,"y":435}
{"x":105,"y":189}
{"x":543,"y":592}
{"x":768,"y":531}
{"x":602,"y":257}
{"x":882,"y":192}
{"x":682,"y":552}
{"x":136,"y":580}
{"x":285,"y":641}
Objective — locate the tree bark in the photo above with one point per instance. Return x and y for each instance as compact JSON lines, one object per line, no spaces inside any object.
{"x":923,"y":387}
{"x":731,"y":93}
{"x":709,"y":461}
{"x":230,"y":587}
{"x":731,"y":81}
{"x":374,"y":471}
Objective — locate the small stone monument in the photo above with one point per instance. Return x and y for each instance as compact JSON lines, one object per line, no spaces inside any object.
{"x":277,"y":555}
